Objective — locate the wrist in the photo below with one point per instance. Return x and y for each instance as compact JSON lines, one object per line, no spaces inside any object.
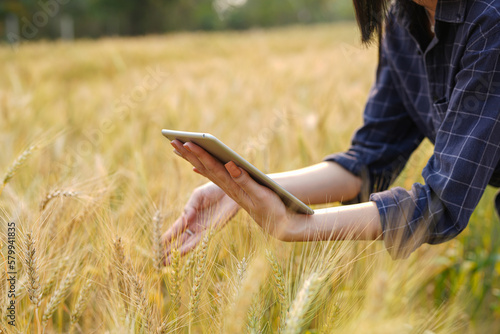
{"x":298,"y":227}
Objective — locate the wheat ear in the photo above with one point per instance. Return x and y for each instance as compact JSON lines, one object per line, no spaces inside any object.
{"x":58,"y":296}
{"x":278,"y":279}
{"x":122,"y":267}
{"x":175,"y":282}
{"x":302,"y":303}
{"x":34,"y":288}
{"x":57,"y":193}
{"x":141,"y":302}
{"x":157,"y":241}
{"x":188,"y":265}
{"x":254,"y":315}
{"x":241,"y":269}
{"x":16,"y":165}
{"x":198,"y":275}
{"x":250,"y":287}
{"x":80,"y":304}
{"x":279,"y":287}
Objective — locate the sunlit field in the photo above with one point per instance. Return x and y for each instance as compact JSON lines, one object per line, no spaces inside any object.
{"x":89,"y":184}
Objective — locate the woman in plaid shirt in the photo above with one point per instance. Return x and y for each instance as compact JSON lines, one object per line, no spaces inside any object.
{"x":438,"y":77}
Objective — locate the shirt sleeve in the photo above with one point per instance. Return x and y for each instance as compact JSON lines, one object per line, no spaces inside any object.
{"x":381,"y":147}
{"x":465,"y":155}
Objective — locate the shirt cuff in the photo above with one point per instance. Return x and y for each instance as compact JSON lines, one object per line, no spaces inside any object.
{"x":351,"y":164}
{"x":397,"y":209}
{"x":348,"y":161}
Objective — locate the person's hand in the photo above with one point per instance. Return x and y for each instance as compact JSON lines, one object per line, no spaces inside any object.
{"x":207,"y":208}
{"x":264,"y":205}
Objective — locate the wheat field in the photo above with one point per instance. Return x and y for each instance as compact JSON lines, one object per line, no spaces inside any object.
{"x":89,"y":185}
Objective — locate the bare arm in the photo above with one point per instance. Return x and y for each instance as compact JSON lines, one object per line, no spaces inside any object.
{"x":350,"y":222}
{"x":325,"y":182}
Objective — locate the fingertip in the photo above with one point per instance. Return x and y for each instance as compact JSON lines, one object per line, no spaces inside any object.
{"x":233,"y":170}
{"x":175,"y":143}
{"x":186,"y":146}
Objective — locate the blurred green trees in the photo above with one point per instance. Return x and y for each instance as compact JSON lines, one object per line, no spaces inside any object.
{"x":37,"y":19}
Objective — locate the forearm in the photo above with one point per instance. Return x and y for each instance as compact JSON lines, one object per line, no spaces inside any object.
{"x":350,"y":222}
{"x":321,"y":183}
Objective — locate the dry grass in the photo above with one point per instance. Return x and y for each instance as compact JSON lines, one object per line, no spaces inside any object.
{"x":284,"y":98}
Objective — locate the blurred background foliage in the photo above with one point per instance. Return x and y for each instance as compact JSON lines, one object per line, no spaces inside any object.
{"x":95,"y":18}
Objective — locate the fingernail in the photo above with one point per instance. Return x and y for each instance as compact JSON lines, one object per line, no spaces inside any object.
{"x":187,"y":147}
{"x":233,"y":170}
{"x":173,"y":145}
{"x":177,"y":152}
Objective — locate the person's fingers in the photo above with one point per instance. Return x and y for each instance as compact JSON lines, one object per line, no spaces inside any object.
{"x":255,"y":191}
{"x":186,"y":247}
{"x":187,"y":155}
{"x":181,"y":223}
{"x":175,"y":230}
{"x":214,"y":170}
{"x":177,"y":153}
{"x":178,"y":242}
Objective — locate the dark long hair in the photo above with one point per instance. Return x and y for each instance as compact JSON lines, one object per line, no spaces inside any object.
{"x":370,"y":15}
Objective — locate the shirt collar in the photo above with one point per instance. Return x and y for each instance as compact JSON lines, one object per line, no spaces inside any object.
{"x":451,"y":11}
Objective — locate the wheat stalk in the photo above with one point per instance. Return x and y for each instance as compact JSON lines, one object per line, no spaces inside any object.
{"x":16,"y":165}
{"x":241,"y":269}
{"x":80,"y":304}
{"x":122,"y":267}
{"x":57,"y":193}
{"x":58,"y":296}
{"x":175,"y":288}
{"x":157,"y":241}
{"x":250,"y":286}
{"x":188,"y":265}
{"x":253,"y":321}
{"x":142,"y":305}
{"x":278,"y":279}
{"x":198,"y":275}
{"x":34,"y":288}
{"x":218,"y":307}
{"x":302,"y":303}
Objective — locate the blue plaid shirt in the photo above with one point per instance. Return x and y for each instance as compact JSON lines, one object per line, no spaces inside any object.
{"x":446,"y":88}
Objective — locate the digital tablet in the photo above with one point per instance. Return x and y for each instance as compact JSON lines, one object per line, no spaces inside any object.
{"x":224,"y":154}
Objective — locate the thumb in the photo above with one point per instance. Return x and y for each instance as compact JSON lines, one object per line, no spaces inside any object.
{"x":245,"y":181}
